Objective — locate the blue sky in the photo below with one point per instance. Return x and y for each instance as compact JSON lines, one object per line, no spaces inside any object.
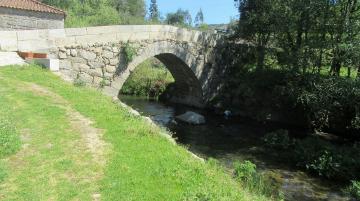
{"x":215,"y":11}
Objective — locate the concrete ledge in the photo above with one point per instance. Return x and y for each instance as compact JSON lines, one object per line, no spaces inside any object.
{"x":51,"y":64}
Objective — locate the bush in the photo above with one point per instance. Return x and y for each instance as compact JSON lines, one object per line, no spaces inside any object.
{"x":278,"y":140}
{"x":340,"y":162}
{"x":245,"y":171}
{"x":247,"y":174}
{"x":354,"y":189}
{"x":9,"y":139}
{"x":316,"y":101}
{"x":130,"y":52}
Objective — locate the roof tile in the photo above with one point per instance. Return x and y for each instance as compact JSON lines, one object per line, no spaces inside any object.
{"x":32,"y":5}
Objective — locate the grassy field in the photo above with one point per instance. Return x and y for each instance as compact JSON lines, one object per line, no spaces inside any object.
{"x":61,"y":142}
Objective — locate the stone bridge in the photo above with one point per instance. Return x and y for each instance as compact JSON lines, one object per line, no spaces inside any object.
{"x":97,"y":55}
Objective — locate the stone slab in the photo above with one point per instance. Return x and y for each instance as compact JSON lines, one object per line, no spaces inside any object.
{"x":10,"y":58}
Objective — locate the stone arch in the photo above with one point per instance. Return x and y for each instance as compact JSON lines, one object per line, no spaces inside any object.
{"x":181,"y":64}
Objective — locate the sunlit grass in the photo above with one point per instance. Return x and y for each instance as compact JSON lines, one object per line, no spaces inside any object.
{"x":54,"y":165}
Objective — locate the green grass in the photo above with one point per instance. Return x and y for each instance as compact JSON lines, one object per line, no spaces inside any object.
{"x":54,"y":163}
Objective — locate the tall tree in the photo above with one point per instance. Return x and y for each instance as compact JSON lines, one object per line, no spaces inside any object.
{"x":258,"y":22}
{"x":199,"y":19}
{"x":154,"y":11}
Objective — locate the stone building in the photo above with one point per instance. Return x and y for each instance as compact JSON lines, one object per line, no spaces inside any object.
{"x":29,"y":14}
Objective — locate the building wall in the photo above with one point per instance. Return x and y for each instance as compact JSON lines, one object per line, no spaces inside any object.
{"x":15,"y":19}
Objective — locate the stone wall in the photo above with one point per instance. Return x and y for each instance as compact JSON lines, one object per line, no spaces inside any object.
{"x":95,"y":55}
{"x":16,"y":19}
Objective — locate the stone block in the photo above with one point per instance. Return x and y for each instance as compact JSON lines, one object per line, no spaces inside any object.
{"x":73,"y":52}
{"x":10,"y":58}
{"x":114,"y":62}
{"x":140,"y":28}
{"x":86,"y":77}
{"x":77,"y":60}
{"x":57,"y":33}
{"x":75,"y":32}
{"x":108,"y":54}
{"x":65,"y":41}
{"x":28,"y":35}
{"x":36,"y":45}
{"x":92,"y":39}
{"x":102,"y":30}
{"x":70,"y":75}
{"x":62,"y":55}
{"x":82,"y":67}
{"x":90,"y":56}
{"x":126,"y":29}
{"x":110,"y":69}
{"x":94,"y":64}
{"x":96,"y":72}
{"x":123,"y":37}
{"x":115,"y":50}
{"x":65,"y":64}
{"x":8,"y":41}
{"x":108,"y":76}
{"x":97,"y":80}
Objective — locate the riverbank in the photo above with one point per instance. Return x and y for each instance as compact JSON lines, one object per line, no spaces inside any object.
{"x":236,"y":140}
{"x":77,"y":144}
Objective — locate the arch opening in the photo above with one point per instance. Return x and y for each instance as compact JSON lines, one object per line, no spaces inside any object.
{"x":186,"y":88}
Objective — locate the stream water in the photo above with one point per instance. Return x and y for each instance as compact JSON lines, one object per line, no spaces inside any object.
{"x":236,"y":140}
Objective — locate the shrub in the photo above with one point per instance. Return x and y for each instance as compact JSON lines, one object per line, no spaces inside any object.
{"x":278,"y":140}
{"x":9,"y":139}
{"x":354,"y":189}
{"x":130,"y":52}
{"x":340,"y":162}
{"x":248,"y":176}
{"x":245,"y":171}
{"x":316,"y":101}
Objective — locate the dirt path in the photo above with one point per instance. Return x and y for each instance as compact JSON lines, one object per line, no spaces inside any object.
{"x":91,"y":137}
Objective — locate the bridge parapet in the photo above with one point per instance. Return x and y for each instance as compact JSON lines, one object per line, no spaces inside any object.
{"x":48,"y":39}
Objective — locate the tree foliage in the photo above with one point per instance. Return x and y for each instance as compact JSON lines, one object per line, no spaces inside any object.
{"x":154,"y":11}
{"x":101,"y":12}
{"x":180,"y":17}
{"x":302,"y":35}
{"x":199,"y":19}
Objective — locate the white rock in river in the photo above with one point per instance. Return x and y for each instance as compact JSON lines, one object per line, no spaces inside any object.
{"x":191,"y":118}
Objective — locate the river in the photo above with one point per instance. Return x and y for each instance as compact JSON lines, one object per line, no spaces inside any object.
{"x":237,"y":140}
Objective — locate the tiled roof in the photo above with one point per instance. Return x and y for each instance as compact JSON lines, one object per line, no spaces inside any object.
{"x":32,"y":5}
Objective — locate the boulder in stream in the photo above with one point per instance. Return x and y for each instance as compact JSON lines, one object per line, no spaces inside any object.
{"x":192,"y":118}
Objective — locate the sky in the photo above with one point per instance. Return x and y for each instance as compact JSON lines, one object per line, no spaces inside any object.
{"x":215,"y":11}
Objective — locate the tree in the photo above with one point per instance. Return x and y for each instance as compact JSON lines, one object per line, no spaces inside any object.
{"x":258,"y":21}
{"x":181,"y":17}
{"x":154,"y":11}
{"x":199,"y":19}
{"x":135,"y":8}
